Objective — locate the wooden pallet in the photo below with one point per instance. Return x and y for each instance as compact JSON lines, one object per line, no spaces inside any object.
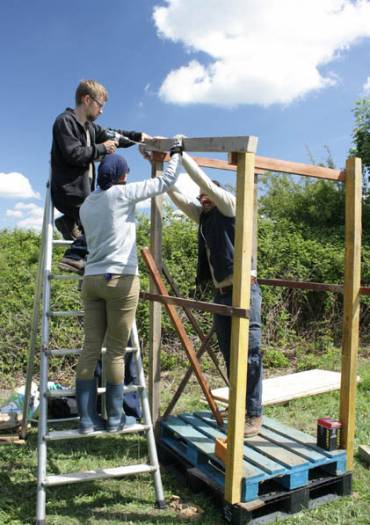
{"x":279,"y":454}
{"x":276,"y":503}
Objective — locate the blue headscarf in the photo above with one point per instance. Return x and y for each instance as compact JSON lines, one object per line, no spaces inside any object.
{"x":110,"y":170}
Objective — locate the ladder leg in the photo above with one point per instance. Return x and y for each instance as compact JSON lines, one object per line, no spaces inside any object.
{"x":43,"y":409}
{"x":41,"y":443}
{"x":34,"y":329}
{"x":152,"y":448}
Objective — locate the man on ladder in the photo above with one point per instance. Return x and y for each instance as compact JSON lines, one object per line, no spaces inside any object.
{"x":77,"y":142}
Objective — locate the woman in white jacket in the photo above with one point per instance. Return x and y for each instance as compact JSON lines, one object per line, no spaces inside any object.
{"x":110,"y":288}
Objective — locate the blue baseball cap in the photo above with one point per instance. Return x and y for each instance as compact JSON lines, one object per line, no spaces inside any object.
{"x":111,"y":168}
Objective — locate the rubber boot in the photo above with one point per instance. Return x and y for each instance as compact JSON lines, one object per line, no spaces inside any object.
{"x":90,"y":421}
{"x":114,"y":400}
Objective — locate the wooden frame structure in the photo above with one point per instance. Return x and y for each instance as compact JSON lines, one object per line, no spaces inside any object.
{"x":243,"y":160}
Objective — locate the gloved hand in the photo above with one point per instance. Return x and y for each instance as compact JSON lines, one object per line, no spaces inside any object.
{"x":177,"y":145}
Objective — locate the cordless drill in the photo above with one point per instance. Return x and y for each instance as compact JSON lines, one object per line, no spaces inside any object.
{"x":120,"y":140}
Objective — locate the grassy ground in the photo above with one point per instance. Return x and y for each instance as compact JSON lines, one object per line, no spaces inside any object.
{"x":131,"y":500}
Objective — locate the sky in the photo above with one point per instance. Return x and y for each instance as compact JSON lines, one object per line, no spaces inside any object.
{"x":287,"y":72}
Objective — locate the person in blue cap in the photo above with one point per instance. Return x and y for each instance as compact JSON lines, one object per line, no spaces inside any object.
{"x":110,"y":288}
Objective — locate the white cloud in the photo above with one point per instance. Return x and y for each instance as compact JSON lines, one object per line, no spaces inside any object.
{"x":15,"y":185}
{"x":366,"y":86}
{"x":260,"y":52}
{"x":14,"y":213}
{"x":30,"y":215}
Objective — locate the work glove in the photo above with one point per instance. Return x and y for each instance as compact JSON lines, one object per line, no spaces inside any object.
{"x":177,"y":145}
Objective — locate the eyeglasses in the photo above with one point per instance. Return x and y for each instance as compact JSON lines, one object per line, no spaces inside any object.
{"x":100,"y":105}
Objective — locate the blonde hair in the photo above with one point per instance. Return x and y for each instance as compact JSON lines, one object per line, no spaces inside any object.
{"x":92,"y":88}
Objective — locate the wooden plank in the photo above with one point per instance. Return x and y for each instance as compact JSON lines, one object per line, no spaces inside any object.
{"x":299,"y":436}
{"x":221,"y":309}
{"x":186,"y":427}
{"x":240,"y":327}
{"x":291,"y":386}
{"x":351,"y":304}
{"x":294,"y":446}
{"x":304,"y":285}
{"x":207,"y":425}
{"x":217,"y":144}
{"x":364,"y":453}
{"x":266,"y":164}
{"x":155,"y":313}
{"x":184,"y":338}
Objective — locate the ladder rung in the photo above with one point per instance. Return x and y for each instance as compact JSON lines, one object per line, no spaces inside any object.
{"x":117,"y":472}
{"x":58,"y":352}
{"x":67,"y":277}
{"x":59,"y":435}
{"x":70,"y":392}
{"x":62,"y":242}
{"x":68,"y":313}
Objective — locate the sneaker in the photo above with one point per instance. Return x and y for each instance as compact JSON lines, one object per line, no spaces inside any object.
{"x":72,"y":265}
{"x":252,"y":426}
{"x":69,"y":229}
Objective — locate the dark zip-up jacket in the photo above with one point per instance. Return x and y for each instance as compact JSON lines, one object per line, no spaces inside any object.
{"x":71,"y":157}
{"x":217,"y":232}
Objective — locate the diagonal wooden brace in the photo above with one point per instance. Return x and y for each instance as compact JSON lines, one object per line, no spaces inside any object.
{"x":186,"y":342}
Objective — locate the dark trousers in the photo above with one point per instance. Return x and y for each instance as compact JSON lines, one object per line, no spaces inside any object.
{"x":71,"y":212}
{"x":223,"y":331}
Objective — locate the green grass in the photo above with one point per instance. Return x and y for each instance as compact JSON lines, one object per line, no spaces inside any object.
{"x":131,"y":500}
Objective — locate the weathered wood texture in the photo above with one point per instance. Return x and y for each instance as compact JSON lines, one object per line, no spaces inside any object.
{"x":155,"y":314}
{"x":240,"y":327}
{"x":351,"y":304}
{"x":184,"y":338}
{"x":197,"y":305}
{"x":281,"y":389}
{"x":266,"y":164}
{"x":216,"y":144}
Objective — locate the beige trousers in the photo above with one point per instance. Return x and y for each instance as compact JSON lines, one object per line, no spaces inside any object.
{"x":110,"y":308}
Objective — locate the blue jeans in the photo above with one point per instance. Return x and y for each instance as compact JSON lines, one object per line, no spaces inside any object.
{"x":223,"y":331}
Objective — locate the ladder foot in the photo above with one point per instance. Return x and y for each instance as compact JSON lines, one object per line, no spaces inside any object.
{"x":160,"y":504}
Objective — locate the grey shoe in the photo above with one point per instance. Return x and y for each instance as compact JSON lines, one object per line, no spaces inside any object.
{"x":252,"y":426}
{"x":73,"y":265}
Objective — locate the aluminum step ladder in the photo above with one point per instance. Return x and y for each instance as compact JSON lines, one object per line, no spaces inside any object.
{"x":44,"y":281}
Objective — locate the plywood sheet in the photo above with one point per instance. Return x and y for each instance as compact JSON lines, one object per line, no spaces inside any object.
{"x":291,"y":386}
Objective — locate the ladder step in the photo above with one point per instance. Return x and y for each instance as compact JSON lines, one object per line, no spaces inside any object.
{"x":117,"y":472}
{"x":71,"y":392}
{"x":62,"y":242}
{"x":66,"y":277}
{"x":58,"y":435}
{"x":58,"y":352}
{"x":68,"y":313}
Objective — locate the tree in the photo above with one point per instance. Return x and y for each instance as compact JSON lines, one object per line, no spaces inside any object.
{"x":361,"y":135}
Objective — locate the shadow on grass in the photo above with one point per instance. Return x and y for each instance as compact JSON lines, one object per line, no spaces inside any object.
{"x":85,"y":503}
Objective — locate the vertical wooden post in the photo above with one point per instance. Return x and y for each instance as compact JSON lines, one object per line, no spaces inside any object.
{"x":351,"y":304}
{"x":155,"y":309}
{"x":240,"y":327}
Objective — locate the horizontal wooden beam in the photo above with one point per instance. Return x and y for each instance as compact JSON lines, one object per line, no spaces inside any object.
{"x":197,"y":305}
{"x":304,"y":285}
{"x":216,"y":144}
{"x":265,"y":164}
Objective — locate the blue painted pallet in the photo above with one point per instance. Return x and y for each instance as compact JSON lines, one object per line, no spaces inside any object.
{"x":278,"y":453}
